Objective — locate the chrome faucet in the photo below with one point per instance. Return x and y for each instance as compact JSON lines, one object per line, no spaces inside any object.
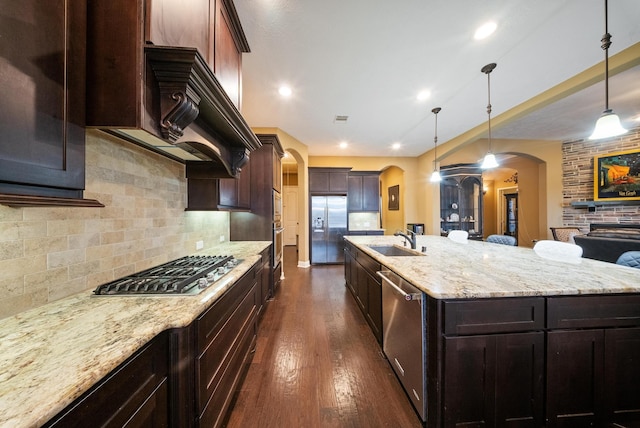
{"x":411,"y":237}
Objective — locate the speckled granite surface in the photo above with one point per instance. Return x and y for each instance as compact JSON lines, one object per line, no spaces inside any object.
{"x":50,"y":355}
{"x":479,"y":270}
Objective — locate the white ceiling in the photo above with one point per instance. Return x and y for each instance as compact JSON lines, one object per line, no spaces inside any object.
{"x":368,"y":59}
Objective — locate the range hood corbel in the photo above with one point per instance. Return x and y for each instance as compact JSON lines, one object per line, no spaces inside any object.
{"x":195,"y":112}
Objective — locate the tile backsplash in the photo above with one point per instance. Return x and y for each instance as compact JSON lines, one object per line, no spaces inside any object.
{"x":50,"y":253}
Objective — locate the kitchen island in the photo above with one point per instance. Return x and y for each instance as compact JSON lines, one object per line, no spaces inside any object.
{"x":510,"y":338}
{"x":51,"y":355}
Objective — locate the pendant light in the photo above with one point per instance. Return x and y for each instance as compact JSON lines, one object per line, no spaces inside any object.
{"x":608,"y":125}
{"x":489,"y":159}
{"x":435,"y":175}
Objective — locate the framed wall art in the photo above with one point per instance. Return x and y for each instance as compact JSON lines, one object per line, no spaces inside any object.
{"x":394,"y":198}
{"x":616,"y":176}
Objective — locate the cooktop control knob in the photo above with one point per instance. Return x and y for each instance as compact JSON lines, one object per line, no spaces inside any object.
{"x":202,"y":282}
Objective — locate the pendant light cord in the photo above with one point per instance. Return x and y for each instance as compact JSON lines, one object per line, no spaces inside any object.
{"x":487,"y":69}
{"x":435,"y":138}
{"x":606,"y":42}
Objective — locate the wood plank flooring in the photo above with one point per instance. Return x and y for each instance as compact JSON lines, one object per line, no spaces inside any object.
{"x":316,"y":363}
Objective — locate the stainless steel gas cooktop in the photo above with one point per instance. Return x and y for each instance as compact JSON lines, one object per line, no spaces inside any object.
{"x":185,"y":276}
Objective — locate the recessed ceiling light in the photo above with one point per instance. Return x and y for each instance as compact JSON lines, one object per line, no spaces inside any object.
{"x":396,"y":146}
{"x":423,"y":95}
{"x":485,"y":30}
{"x":344,"y":145}
{"x":285,"y":91}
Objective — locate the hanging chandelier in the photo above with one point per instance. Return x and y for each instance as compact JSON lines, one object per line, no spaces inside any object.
{"x":489,"y":159}
{"x":608,"y":125}
{"x":435,"y":175}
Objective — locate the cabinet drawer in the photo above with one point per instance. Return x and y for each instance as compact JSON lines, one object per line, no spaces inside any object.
{"x":593,"y":311}
{"x":212,"y":320}
{"x":368,"y":263}
{"x":463,"y":317}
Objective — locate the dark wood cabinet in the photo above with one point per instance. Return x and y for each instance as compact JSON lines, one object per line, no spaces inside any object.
{"x":211,"y":194}
{"x":225,"y":336}
{"x":263,"y":279}
{"x":362,"y":281}
{"x":494,"y":380}
{"x":593,"y":351}
{"x":328,"y":180}
{"x":42,"y":155}
{"x":133,"y":395}
{"x":363,"y":191}
{"x":461,"y":199}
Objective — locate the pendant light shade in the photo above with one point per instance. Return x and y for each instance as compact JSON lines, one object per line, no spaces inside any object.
{"x":608,"y":125}
{"x":435,"y":175}
{"x":489,"y":159}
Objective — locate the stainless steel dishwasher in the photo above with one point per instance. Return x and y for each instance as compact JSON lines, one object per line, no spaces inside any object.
{"x":403,"y":336}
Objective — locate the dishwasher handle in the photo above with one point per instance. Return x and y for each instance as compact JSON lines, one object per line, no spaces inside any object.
{"x":407,"y":296}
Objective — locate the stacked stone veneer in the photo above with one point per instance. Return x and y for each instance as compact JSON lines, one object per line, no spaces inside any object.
{"x":577,"y":181}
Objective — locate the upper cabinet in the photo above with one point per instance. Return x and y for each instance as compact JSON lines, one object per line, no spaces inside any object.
{"x":461,"y":199}
{"x":364,"y":191}
{"x":328,"y":180}
{"x":42,"y":78}
{"x":168,"y":77}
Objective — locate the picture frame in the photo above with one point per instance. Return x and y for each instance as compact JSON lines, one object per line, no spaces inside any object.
{"x":616,"y":176}
{"x":394,"y":198}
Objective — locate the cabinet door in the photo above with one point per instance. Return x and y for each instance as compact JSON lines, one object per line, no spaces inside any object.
{"x":575,"y":378}
{"x":494,"y":380}
{"x":42,"y":78}
{"x":235,"y":193}
{"x":277,"y":171}
{"x":622,"y":376}
{"x":374,"y":306}
{"x":370,"y":193}
{"x":354,"y":193}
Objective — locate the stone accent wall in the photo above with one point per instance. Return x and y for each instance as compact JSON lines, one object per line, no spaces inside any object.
{"x":577,"y":181}
{"x":50,"y":253}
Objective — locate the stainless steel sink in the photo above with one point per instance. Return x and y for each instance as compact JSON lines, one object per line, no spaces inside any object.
{"x":393,"y":250}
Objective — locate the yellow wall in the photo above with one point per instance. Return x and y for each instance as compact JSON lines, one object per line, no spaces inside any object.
{"x":393,"y":220}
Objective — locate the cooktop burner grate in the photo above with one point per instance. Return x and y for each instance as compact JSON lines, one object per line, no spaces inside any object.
{"x":186,"y":275}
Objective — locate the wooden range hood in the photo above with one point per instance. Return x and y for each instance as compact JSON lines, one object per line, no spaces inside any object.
{"x":164,"y":98}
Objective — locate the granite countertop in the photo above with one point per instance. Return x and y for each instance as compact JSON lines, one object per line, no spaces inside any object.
{"x":476,"y":269}
{"x":52,"y":354}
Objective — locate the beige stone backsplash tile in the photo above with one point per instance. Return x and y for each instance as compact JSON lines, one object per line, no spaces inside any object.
{"x":45,"y":279}
{"x":70,"y":288}
{"x":13,"y":230}
{"x":19,"y":267}
{"x":65,"y":227}
{"x":45,"y":244}
{"x":16,"y":304}
{"x":11,"y":214}
{"x":99,"y":253}
{"x":65,"y":258}
{"x":11,"y":249}
{"x":98,"y":278}
{"x":114,"y":237}
{"x":83,"y":269}
{"x":12,"y":287}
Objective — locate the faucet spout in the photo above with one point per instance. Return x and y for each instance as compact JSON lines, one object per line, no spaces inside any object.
{"x":411,"y":238}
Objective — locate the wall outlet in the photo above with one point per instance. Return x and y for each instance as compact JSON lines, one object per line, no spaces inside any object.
{"x":199,"y":245}
{"x":221,"y":238}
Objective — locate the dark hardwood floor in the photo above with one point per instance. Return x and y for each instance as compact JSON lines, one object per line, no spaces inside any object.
{"x":316,"y":363}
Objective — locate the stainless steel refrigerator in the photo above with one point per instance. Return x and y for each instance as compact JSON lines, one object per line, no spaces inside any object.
{"x":328,"y":226}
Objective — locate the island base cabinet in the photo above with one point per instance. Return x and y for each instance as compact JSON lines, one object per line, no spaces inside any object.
{"x":494,"y":380}
{"x":594,"y":378}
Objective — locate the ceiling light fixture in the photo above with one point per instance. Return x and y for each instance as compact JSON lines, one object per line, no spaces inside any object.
{"x":285,"y":91}
{"x":489,"y":159}
{"x":608,"y":125}
{"x":423,"y":95}
{"x":396,"y":146}
{"x":435,"y":175}
{"x":485,"y":30}
{"x":344,"y":145}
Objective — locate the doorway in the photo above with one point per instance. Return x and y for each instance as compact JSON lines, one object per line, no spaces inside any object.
{"x":511,"y":215}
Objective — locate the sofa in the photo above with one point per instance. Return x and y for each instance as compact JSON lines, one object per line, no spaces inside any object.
{"x":607,"y":241}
